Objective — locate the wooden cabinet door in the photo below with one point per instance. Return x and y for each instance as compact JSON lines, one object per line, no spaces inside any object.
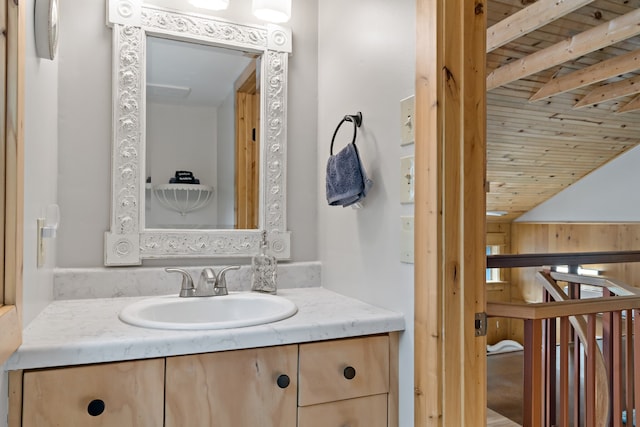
{"x":233,"y":389}
{"x":325,"y":366}
{"x":370,"y":411}
{"x":131,"y":392}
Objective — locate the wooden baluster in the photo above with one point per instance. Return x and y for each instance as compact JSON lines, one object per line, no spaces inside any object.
{"x":533,"y":374}
{"x":636,"y":363}
{"x":616,"y":374}
{"x":574,"y":293}
{"x":550,"y":367}
{"x":628,"y":363}
{"x":564,"y":371}
{"x":590,"y":372}
{"x":577,"y":363}
{"x":607,"y":346}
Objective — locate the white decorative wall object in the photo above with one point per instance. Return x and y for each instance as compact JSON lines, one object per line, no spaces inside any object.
{"x":128,"y":242}
{"x":46,"y":28}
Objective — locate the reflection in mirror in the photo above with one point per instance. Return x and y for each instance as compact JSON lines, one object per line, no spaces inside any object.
{"x":202,"y":117}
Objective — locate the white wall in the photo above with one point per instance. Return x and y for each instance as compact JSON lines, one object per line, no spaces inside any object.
{"x":84,"y":132}
{"x":226,"y":188}
{"x":85,"y":127}
{"x":608,"y":194}
{"x":41,"y":168}
{"x":181,"y":137}
{"x":366,"y":63}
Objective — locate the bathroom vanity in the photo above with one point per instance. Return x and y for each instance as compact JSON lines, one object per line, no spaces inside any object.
{"x":333,"y":363}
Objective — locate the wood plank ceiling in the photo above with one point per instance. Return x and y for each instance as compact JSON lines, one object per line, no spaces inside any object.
{"x":563,"y":97}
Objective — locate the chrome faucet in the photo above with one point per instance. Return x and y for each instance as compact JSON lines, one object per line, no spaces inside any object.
{"x":207,"y":283}
{"x":210,"y":284}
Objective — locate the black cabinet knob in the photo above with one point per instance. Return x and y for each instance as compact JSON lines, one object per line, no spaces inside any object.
{"x":96,"y":407}
{"x":349,"y":372}
{"x":283,"y":381}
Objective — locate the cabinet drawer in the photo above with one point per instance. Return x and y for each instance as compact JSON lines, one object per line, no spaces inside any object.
{"x":132,"y":393}
{"x":344,"y":369}
{"x":370,"y":411}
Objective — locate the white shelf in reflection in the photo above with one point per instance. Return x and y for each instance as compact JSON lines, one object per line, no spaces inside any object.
{"x":183,"y":198}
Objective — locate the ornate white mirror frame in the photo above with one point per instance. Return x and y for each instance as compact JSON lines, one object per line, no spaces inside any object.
{"x":128,"y":242}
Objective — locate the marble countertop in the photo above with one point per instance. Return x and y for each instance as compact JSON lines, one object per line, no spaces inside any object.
{"x":74,"y":332}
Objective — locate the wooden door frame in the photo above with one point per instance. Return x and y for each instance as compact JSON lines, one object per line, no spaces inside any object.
{"x":12,"y":15}
{"x":450,"y":361}
{"x":247,"y":152}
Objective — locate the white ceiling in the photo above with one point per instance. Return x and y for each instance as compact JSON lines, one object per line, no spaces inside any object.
{"x":189,"y":73}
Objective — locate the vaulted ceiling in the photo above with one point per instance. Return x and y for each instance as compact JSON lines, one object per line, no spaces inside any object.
{"x":563,"y":94}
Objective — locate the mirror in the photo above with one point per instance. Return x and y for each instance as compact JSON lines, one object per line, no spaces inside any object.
{"x":202,"y":117}
{"x":180,"y":155}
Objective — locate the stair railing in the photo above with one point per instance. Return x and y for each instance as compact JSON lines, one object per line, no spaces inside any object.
{"x":601,"y":384}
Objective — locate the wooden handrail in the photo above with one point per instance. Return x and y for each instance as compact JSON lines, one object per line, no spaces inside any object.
{"x":549,"y":310}
{"x":571,"y":258}
{"x":618,"y":288}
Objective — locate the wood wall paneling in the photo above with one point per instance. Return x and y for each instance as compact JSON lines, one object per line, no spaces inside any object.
{"x":569,"y":237}
{"x":499,"y":234}
{"x":552,"y":238}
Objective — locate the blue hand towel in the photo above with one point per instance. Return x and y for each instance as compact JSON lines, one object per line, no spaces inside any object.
{"x":347,"y":181}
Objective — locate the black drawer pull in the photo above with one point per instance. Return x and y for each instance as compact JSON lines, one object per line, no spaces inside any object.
{"x":96,"y":407}
{"x":283,"y":381}
{"x":349,"y":372}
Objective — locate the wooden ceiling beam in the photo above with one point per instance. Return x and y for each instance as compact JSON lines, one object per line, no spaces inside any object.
{"x":529,"y":19}
{"x":595,"y":73}
{"x":632,"y":105}
{"x":610,"y":91}
{"x":608,"y":33}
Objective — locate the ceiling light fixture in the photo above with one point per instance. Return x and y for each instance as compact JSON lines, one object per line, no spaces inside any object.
{"x":277,"y":11}
{"x":210,"y":4}
{"x":581,"y":270}
{"x":496,"y":213}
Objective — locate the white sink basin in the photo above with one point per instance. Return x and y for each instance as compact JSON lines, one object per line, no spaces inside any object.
{"x":221,"y":312}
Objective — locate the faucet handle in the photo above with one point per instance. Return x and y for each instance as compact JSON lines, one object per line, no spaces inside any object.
{"x":187,"y":289}
{"x":221,"y":285}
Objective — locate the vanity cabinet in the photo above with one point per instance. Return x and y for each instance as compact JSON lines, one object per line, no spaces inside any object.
{"x":347,"y":382}
{"x":254,"y":387}
{"x":113,"y":394}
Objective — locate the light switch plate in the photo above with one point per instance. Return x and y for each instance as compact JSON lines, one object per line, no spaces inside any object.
{"x":407,"y":179}
{"x":407,"y":112}
{"x":40,"y":244}
{"x":406,"y":240}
